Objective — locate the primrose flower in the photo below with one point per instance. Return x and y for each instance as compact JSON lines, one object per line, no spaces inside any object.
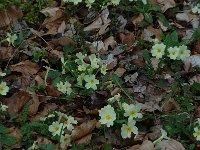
{"x":163,"y":136}
{"x":129,"y":128}
{"x":103,"y":69}
{"x":115,"y":2}
{"x":184,"y":53}
{"x":197,"y":133}
{"x":91,"y":82}
{"x":56,"y":128}
{"x":89,"y":3}
{"x":80,"y":79}
{"x":11,"y":38}
{"x":196,"y":9}
{"x":115,"y":98}
{"x":173,"y":52}
{"x":65,"y":140}
{"x":94,"y":61}
{"x":132,"y":111}
{"x":3,"y":88}
{"x":80,"y":57}
{"x":158,"y":50}
{"x":3,"y":107}
{"x":81,"y":67}
{"x":64,"y":87}
{"x":2,"y":74}
{"x":69,"y":123}
{"x":108,"y":115}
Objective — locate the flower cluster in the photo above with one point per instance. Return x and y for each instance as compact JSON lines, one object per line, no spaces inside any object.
{"x":64,"y":87}
{"x":107,"y":3}
{"x":175,"y":53}
{"x":11,"y":38}
{"x":108,"y":116}
{"x":87,"y":70}
{"x":3,"y":108}
{"x":196,"y":133}
{"x":58,"y":128}
{"x":196,"y":9}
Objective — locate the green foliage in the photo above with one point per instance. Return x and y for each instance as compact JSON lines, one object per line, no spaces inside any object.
{"x":5,"y":139}
{"x":36,"y":88}
{"x":47,"y":147}
{"x":171,"y":40}
{"x":118,"y":82}
{"x":39,"y":54}
{"x":23,"y":118}
{"x":29,"y":129}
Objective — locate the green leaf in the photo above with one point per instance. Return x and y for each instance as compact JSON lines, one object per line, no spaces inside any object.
{"x":118,"y":82}
{"x":47,"y":147}
{"x":3,"y":129}
{"x":163,"y":19}
{"x":196,"y":86}
{"x":107,"y":147}
{"x":148,"y":18}
{"x":171,"y":40}
{"x":8,"y":140}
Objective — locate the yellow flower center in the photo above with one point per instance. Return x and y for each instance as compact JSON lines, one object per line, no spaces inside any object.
{"x":66,"y":122}
{"x":66,"y":139}
{"x":128,"y":130}
{"x":91,"y":81}
{"x":133,"y":113}
{"x":56,"y":128}
{"x":158,"y":50}
{"x":108,"y":117}
{"x":173,"y":53}
{"x":181,"y":52}
{"x":198,"y":133}
{"x":1,"y":89}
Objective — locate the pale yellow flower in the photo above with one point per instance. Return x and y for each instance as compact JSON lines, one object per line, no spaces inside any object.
{"x":108,"y":115}
{"x":80,"y":79}
{"x":184,"y":53}
{"x":65,"y":141}
{"x":91,"y":82}
{"x":56,"y":128}
{"x":3,"y":107}
{"x":103,"y":69}
{"x":173,"y":52}
{"x":158,"y":50}
{"x":128,"y":129}
{"x":3,"y":88}
{"x":64,"y":87}
{"x":11,"y":38}
{"x":132,"y":111}
{"x":69,"y":123}
{"x":94,"y":61}
{"x":196,"y":133}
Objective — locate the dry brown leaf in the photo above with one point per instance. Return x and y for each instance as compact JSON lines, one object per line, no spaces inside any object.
{"x":170,"y":105}
{"x":39,"y":80}
{"x":110,"y":42}
{"x":54,"y":22}
{"x":62,"y":27}
{"x":63,"y":41}
{"x":92,"y":112}
{"x":6,"y":53}
{"x":128,"y":39}
{"x":49,"y":11}
{"x":26,"y":67}
{"x":52,"y":91}
{"x":84,"y":140}
{"x":169,"y":145}
{"x":166,"y":4}
{"x":146,"y":145}
{"x":120,"y":71}
{"x":35,"y":102}
{"x":16,"y":102}
{"x":101,"y":22}
{"x":9,"y":16}
{"x":15,"y":131}
{"x":136,"y":20}
{"x":84,"y":129}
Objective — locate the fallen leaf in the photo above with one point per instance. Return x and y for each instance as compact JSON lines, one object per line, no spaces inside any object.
{"x":110,"y":42}
{"x":62,"y":27}
{"x":26,"y":67}
{"x":169,"y":145}
{"x":170,"y":105}
{"x":34,"y":104}
{"x":120,"y":71}
{"x":122,"y":21}
{"x":166,"y":4}
{"x":136,"y":20}
{"x":9,"y":16}
{"x":6,"y":53}
{"x":84,"y":140}
{"x":16,"y":102}
{"x":63,"y":41}
{"x":127,"y":39}
{"x":84,"y":129}
{"x":49,"y":11}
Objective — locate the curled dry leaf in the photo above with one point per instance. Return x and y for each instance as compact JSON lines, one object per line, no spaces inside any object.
{"x":84,"y":129}
{"x":26,"y":67}
{"x":49,"y":11}
{"x":84,"y":140}
{"x":63,"y":41}
{"x":166,"y":4}
{"x":169,"y":145}
{"x":9,"y":16}
{"x":136,"y":20}
{"x":146,"y":145}
{"x":16,"y":102}
{"x":110,"y":42}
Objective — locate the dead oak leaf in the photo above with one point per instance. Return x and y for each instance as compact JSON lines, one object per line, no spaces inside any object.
{"x":84,"y":140}
{"x":169,"y":145}
{"x":16,"y":102}
{"x":26,"y":67}
{"x":35,"y":102}
{"x":83,"y":129}
{"x":127,"y":39}
{"x":6,"y":53}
